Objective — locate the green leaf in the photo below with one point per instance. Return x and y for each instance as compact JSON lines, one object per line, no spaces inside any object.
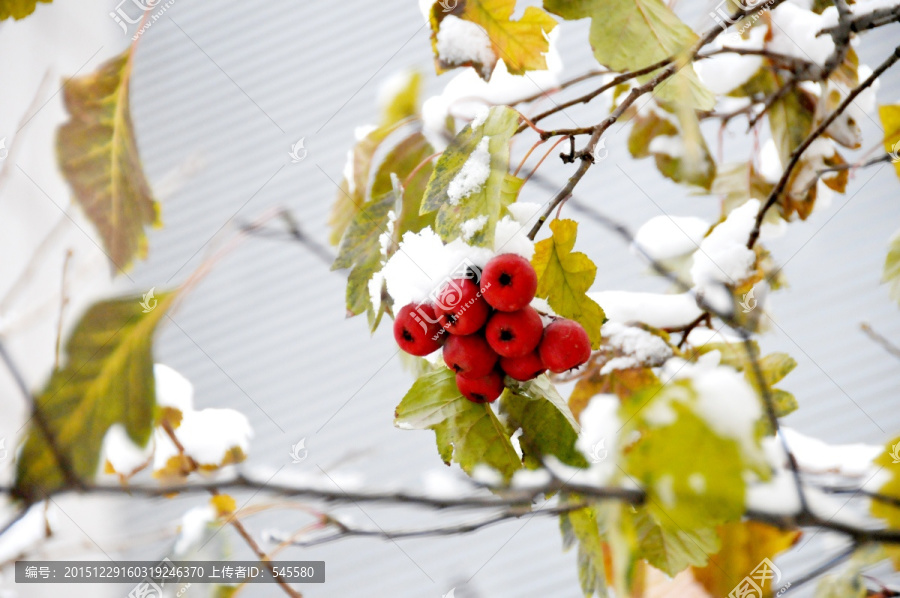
{"x":628,"y":35}
{"x":775,"y":366}
{"x":740,"y":181}
{"x":98,"y":156}
{"x":890,"y":120}
{"x":520,"y":44}
{"x":581,"y":528}
{"x":891,"y":272}
{"x":690,"y":161}
{"x":790,"y":120}
{"x":107,"y":379}
{"x":548,"y":428}
{"x":496,"y":192}
{"x":467,"y":433}
{"x":18,"y":9}
{"x":700,"y":484}
{"x":565,"y":276}
{"x":669,"y":547}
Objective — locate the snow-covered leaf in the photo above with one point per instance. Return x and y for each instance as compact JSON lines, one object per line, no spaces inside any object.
{"x":471,"y":177}
{"x":107,"y":378}
{"x":698,"y":484}
{"x":468,"y":433}
{"x":98,"y":155}
{"x":627,"y":35}
{"x":477,"y":33}
{"x":564,"y":277}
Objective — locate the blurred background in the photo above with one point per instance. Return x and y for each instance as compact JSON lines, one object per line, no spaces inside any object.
{"x":221,"y":92}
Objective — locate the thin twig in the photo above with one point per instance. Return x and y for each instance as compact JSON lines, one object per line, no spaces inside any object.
{"x":885,"y":343}
{"x":798,"y":152}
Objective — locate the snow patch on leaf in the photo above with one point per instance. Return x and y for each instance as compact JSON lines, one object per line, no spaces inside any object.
{"x":473,"y":175}
{"x":639,"y":347}
{"x":666,"y":237}
{"x":460,"y":42}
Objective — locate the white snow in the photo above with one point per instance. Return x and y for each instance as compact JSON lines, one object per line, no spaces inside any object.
{"x":420,"y":267}
{"x":374,"y":288}
{"x":473,"y":175}
{"x":480,"y":116}
{"x":665,"y":237}
{"x":123,"y":454}
{"x":702,"y":336}
{"x":512,"y":237}
{"x":193,"y":527}
{"x":815,"y":456}
{"x":722,"y":73}
{"x":524,"y":211}
{"x":638,"y":347}
{"x":207,"y":436}
{"x":471,"y":227}
{"x":460,"y":41}
{"x":444,"y":483}
{"x":386,"y":238}
{"x":172,"y":389}
{"x":600,"y":426}
{"x":466,"y":93}
{"x":794,"y":32}
{"x":530,"y":478}
{"x":670,"y":145}
{"x":27,"y":531}
{"x":654,"y":309}
{"x":770,"y":162}
{"x":723,"y":256}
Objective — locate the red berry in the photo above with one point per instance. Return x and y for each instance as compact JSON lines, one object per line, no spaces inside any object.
{"x":523,"y":368}
{"x":508,"y":282}
{"x":481,"y":390}
{"x":514,"y":334}
{"x":417,"y":330}
{"x":469,"y":356}
{"x":461,"y":307}
{"x":565,"y":346}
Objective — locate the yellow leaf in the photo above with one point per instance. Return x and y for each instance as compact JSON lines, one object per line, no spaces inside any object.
{"x":565,"y":276}
{"x":744,"y":545}
{"x":224,"y":504}
{"x":107,"y":378}
{"x":17,"y":9}
{"x":520,"y":44}
{"x":890,"y":120}
{"x":99,"y":158}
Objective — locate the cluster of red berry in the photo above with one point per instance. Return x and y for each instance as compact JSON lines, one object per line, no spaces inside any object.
{"x":492,"y":330}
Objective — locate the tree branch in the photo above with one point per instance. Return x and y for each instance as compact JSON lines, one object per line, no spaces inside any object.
{"x":781,"y":186}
